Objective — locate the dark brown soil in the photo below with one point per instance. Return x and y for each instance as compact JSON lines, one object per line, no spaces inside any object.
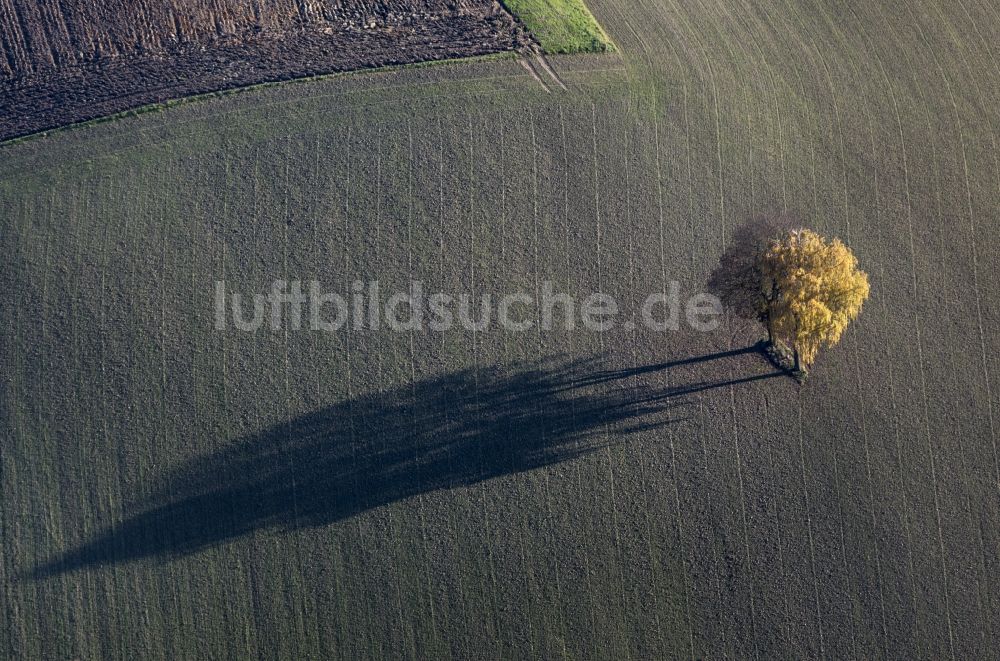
{"x":75,"y":60}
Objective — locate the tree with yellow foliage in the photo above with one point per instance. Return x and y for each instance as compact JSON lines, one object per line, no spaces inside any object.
{"x":805,"y":289}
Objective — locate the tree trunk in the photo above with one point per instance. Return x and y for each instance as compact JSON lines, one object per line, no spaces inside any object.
{"x":798,"y":363}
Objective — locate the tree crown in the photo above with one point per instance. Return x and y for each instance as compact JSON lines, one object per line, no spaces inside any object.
{"x":804,"y":288}
{"x":818,"y":289}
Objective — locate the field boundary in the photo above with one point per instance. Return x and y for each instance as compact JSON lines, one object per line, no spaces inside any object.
{"x":580,"y":79}
{"x":168,"y":104}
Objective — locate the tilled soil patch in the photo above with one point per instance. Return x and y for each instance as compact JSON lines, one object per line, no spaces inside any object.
{"x":59,"y":67}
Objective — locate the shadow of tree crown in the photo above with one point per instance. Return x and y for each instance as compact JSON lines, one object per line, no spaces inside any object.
{"x":439,"y":433}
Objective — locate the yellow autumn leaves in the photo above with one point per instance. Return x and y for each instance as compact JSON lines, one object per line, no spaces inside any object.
{"x":805,"y":289}
{"x":813,"y":289}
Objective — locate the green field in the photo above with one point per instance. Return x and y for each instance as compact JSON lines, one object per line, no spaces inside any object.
{"x":172,"y":491}
{"x":561,"y":26}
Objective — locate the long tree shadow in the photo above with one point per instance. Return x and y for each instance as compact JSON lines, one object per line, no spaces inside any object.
{"x":439,"y":433}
